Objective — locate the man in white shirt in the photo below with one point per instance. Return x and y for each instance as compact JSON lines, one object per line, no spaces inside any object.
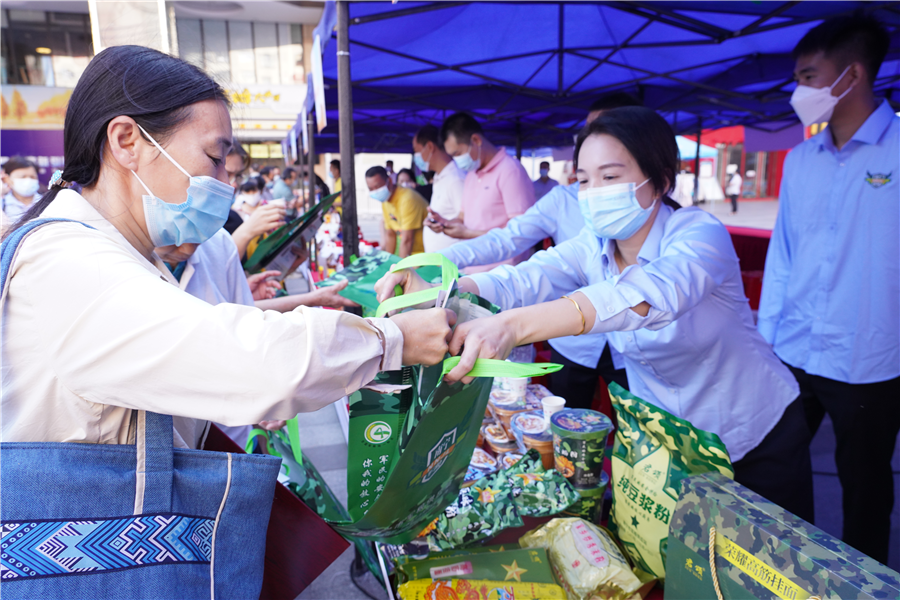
{"x":543,"y":184}
{"x":734,"y":185}
{"x":447,"y":189}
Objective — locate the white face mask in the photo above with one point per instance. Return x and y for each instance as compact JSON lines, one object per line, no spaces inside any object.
{"x":248,"y":199}
{"x":26,"y":186}
{"x":815,"y":105}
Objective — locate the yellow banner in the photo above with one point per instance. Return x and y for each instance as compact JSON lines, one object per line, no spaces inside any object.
{"x":761,"y":572}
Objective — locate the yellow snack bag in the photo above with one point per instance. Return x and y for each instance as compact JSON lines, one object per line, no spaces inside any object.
{"x":586,"y":560}
{"x":474,"y":589}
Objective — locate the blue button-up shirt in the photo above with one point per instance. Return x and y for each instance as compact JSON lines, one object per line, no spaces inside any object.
{"x":697,"y":353}
{"x":831,"y":291}
{"x":557,"y":216}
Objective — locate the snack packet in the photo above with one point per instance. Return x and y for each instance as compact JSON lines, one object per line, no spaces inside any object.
{"x":538,"y":492}
{"x":521,"y":565}
{"x":479,"y":512}
{"x":586,"y":560}
{"x":653,"y":452}
{"x":473,"y":589}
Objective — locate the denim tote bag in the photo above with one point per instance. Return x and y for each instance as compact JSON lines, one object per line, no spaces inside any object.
{"x":120,"y":521}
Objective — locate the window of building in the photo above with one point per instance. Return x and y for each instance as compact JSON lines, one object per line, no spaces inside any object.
{"x":244,"y":52}
{"x":44,"y":48}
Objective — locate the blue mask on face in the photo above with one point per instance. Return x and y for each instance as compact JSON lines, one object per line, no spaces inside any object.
{"x":613,"y":211}
{"x":381,"y":194}
{"x":195,"y":220}
{"x":466,"y":163}
{"x":420,"y":162}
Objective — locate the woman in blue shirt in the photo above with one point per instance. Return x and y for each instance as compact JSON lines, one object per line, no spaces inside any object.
{"x":665,"y":286}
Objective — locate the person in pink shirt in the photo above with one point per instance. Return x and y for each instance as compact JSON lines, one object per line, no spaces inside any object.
{"x":496,"y":189}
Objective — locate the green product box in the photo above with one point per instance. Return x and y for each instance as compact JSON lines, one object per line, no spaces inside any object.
{"x":761,"y":550}
{"x":529,"y":565}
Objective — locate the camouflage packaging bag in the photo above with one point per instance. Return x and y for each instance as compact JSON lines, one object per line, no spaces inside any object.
{"x":654,"y":451}
{"x":538,"y":492}
{"x":479,"y":512}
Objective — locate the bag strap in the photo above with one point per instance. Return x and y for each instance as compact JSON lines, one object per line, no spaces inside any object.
{"x":153,"y":438}
{"x":449,"y":274}
{"x":292,"y":437}
{"x":488,"y":367}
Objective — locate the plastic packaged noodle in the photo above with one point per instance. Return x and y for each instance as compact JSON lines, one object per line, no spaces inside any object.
{"x":586,"y":560}
{"x":522,"y":565}
{"x":509,"y":459}
{"x":538,"y":492}
{"x":653,"y":452}
{"x":497,"y":439}
{"x":473,"y":589}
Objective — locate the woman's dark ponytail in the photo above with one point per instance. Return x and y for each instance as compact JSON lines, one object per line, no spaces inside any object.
{"x":153,"y":88}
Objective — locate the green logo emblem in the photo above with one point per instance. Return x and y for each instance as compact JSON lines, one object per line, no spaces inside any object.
{"x":878,"y":179}
{"x":378,"y":432}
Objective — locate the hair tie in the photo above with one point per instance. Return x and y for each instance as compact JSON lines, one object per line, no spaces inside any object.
{"x":58,"y":181}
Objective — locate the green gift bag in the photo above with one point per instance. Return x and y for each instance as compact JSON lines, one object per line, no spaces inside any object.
{"x":411,"y":434}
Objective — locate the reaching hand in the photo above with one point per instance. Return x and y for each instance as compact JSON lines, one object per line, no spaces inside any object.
{"x":272,"y":425}
{"x":425,"y":334}
{"x":408,"y":279}
{"x":490,"y":337}
{"x":261,"y":285}
{"x":329,"y":296}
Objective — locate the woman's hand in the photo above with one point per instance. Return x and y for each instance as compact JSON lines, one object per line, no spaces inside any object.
{"x":329,"y":296}
{"x":490,"y":337}
{"x":271,"y":425}
{"x":408,"y":279}
{"x":261,"y":285}
{"x":425,"y":334}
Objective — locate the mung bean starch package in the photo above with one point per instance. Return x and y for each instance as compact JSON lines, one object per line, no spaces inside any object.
{"x":653,"y":452}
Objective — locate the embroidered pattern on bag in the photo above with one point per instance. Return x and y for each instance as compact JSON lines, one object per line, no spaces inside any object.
{"x":31,"y":549}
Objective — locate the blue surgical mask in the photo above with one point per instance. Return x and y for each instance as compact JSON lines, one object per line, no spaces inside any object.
{"x":381,"y":194}
{"x":466,"y":163}
{"x":545,"y":172}
{"x":613,"y":211}
{"x":420,"y":162}
{"x":195,"y":220}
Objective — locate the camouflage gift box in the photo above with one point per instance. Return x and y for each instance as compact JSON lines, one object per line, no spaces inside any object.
{"x":761,"y":550}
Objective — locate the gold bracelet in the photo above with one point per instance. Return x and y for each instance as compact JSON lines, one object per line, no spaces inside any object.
{"x":578,"y":308}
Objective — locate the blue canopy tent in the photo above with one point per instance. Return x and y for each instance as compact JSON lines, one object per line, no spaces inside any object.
{"x":530,"y":70}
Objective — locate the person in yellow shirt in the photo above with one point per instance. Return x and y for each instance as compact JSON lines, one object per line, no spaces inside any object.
{"x":335,"y":168}
{"x":404,"y":211}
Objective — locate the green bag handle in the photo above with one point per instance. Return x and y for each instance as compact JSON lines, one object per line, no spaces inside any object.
{"x":489,"y":367}
{"x":293,"y":438}
{"x":449,"y":274}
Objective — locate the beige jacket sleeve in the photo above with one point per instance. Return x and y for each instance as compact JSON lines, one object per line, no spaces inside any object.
{"x":117,"y":334}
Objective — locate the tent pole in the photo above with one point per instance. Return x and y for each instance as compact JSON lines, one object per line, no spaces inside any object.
{"x":312,"y":160}
{"x":518,"y":141}
{"x":697,"y":162}
{"x":349,"y":221}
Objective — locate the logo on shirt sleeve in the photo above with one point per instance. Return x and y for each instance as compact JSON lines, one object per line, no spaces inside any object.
{"x":878,"y":179}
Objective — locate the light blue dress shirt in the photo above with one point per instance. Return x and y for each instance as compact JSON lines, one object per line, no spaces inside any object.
{"x":556,"y":215}
{"x":697,"y":353}
{"x":831,"y":291}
